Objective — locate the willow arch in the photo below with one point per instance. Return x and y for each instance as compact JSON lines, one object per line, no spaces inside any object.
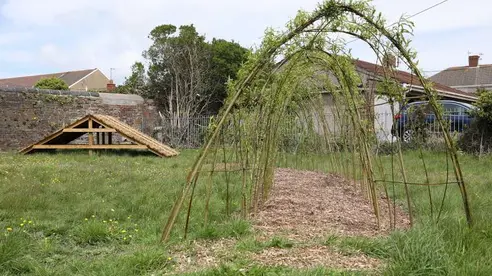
{"x":268,"y":93}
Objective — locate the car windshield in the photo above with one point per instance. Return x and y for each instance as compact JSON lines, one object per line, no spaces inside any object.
{"x":454,"y":108}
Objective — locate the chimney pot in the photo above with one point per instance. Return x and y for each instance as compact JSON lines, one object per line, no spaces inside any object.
{"x":110,"y":86}
{"x":389,"y":60}
{"x":473,"y":60}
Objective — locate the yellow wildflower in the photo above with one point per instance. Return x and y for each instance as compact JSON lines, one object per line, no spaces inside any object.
{"x":9,"y":229}
{"x":21,"y":225}
{"x":86,"y":219}
{"x":123,"y":231}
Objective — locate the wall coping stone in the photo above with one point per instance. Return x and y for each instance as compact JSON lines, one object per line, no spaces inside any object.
{"x":49,"y":91}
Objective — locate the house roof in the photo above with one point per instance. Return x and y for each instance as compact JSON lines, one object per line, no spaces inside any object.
{"x":465,"y":76}
{"x":70,"y":78}
{"x":413,"y":81}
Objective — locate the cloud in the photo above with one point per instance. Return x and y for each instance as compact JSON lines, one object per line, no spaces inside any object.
{"x":17,"y":56}
{"x":68,"y":35}
{"x":444,"y":17}
{"x":9,"y":38}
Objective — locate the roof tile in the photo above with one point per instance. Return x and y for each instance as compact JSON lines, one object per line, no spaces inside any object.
{"x":70,"y":77}
{"x":464,"y":75}
{"x":405,"y":77}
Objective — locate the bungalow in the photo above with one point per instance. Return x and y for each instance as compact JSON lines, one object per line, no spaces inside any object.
{"x":81,"y":80}
{"x":378,"y":107}
{"x":467,"y":78}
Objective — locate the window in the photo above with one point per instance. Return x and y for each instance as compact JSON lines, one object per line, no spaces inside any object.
{"x":454,"y":109}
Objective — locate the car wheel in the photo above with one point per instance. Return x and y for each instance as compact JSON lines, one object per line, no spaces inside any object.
{"x":407,"y":136}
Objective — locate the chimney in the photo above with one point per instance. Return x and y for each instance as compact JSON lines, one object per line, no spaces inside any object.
{"x":389,"y":60}
{"x":110,"y":86}
{"x":473,"y":60}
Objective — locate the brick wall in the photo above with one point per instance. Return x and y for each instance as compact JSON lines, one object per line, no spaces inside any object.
{"x":28,"y":115}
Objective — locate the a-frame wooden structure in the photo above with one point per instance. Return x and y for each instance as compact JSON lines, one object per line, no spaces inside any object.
{"x":100,"y":129}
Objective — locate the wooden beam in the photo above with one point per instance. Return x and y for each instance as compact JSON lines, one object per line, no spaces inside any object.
{"x":89,"y":130}
{"x":57,"y":133}
{"x":95,"y":147}
{"x":91,"y":136}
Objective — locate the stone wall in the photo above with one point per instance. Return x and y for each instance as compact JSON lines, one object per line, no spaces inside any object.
{"x":28,"y":115}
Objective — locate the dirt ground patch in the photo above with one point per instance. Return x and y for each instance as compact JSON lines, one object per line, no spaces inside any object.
{"x":305,"y":205}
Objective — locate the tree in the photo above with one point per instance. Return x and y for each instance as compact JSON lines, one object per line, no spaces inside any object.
{"x":185,"y":70}
{"x":484,"y":106}
{"x":186,"y":75}
{"x":136,"y":83}
{"x":51,"y":83}
{"x":179,"y":63}
{"x":178,"y":68}
{"x":226,"y":59}
{"x":477,"y":138}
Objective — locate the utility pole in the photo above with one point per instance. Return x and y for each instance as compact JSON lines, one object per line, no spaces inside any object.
{"x":111,"y":73}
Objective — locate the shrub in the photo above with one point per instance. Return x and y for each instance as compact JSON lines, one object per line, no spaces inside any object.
{"x":51,"y":83}
{"x":478,"y":137}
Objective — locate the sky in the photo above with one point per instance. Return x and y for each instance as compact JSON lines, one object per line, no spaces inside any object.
{"x":59,"y":35}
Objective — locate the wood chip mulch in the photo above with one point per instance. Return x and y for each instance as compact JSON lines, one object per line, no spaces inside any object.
{"x":315,"y":256}
{"x":304,"y":205}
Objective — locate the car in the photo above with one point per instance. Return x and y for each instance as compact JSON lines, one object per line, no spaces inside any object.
{"x":417,"y":116}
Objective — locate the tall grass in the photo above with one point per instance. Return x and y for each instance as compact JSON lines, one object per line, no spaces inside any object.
{"x":72,"y":214}
{"x":80,"y":214}
{"x":435,"y":246}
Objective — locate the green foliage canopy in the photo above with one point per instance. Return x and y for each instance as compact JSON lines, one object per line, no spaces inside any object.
{"x":51,"y":83}
{"x":136,"y":82}
{"x":484,"y":105}
{"x":226,"y":57}
{"x":184,"y":67}
{"x":477,"y":138}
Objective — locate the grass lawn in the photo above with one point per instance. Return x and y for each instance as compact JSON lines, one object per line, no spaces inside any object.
{"x":74,"y":214}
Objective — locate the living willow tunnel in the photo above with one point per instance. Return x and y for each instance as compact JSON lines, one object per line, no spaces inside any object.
{"x":299,"y":101}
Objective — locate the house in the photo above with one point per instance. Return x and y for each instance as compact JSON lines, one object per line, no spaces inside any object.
{"x":377,"y":107}
{"x":467,"y":78}
{"x":81,"y":80}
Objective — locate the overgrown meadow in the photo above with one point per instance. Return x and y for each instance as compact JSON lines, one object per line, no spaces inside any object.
{"x":77,"y":214}
{"x":74,"y":214}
